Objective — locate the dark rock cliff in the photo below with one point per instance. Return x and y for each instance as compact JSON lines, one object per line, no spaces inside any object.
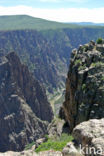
{"x":84,"y":97}
{"x":24,"y":108}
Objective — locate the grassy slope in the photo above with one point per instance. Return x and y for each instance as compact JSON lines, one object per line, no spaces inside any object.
{"x":55,"y":143}
{"x":16,"y":22}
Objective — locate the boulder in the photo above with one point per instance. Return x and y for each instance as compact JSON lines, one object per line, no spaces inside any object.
{"x":90,"y":136}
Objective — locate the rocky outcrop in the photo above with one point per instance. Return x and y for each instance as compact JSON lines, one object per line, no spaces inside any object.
{"x":90,"y":136}
{"x":56,"y":128}
{"x":84,"y":97}
{"x":24,"y":109}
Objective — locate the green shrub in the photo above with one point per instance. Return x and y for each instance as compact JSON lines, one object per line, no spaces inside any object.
{"x":29,"y":146}
{"x":96,"y":64}
{"x":78,"y":61}
{"x":56,"y":144}
{"x":99,"y":41}
{"x":102,"y":78}
{"x":82,"y":67}
{"x":83,"y":86}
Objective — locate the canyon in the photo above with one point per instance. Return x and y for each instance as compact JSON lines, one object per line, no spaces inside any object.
{"x":37,"y":109}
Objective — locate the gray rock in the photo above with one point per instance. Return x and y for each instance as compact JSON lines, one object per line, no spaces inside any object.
{"x":100,"y":47}
{"x":90,"y":134}
{"x":70,"y":150}
{"x":39,"y":142}
{"x":55,"y":128}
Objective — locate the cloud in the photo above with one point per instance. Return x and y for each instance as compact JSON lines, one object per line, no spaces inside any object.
{"x":59,"y":1}
{"x":56,"y":1}
{"x":60,"y":15}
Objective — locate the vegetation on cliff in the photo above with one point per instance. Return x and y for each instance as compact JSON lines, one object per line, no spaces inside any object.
{"x":56,"y":143}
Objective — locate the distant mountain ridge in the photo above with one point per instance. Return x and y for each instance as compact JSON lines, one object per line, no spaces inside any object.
{"x":22,"y":22}
{"x":18,"y":22}
{"x":87,"y":23}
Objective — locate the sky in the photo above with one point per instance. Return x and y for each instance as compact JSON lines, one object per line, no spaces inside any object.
{"x":56,"y":10}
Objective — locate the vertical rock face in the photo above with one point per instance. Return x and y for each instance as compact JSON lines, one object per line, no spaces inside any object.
{"x":84,"y":97}
{"x":24,"y":108}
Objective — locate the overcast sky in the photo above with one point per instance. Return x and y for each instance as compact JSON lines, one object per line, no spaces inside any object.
{"x":57,"y":10}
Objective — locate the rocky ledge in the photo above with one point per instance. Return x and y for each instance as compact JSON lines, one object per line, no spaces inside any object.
{"x":88,"y":141}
